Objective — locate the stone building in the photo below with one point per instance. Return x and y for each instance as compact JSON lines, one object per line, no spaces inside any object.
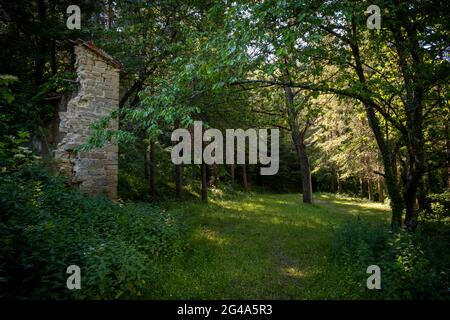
{"x":95,"y":171}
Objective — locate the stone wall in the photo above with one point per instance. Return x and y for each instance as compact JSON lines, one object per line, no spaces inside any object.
{"x":96,"y":171}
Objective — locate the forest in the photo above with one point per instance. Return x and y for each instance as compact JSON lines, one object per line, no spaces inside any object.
{"x":341,"y":162}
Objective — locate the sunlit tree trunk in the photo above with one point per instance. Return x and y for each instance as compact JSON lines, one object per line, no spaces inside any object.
{"x":339,"y":183}
{"x":380,"y":190}
{"x":298,"y":137}
{"x":361,"y":188}
{"x":392,"y":186}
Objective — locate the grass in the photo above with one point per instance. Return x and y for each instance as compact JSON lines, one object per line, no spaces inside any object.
{"x":260,"y":246}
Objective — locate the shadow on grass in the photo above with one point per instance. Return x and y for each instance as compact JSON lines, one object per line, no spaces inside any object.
{"x":258,"y":247}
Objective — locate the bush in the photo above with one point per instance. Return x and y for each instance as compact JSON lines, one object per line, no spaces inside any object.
{"x":45,"y":226}
{"x":440,"y":203}
{"x":413,"y":266}
{"x":132,"y":187}
{"x":357,"y":245}
{"x":408,"y":271}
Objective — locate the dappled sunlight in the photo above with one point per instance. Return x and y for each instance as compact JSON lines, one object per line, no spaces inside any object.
{"x":211,"y":235}
{"x":357,"y":202}
{"x":249,"y":206}
{"x":269,"y":218}
{"x":312,"y":222}
{"x":292,"y":272}
{"x":286,"y":209}
{"x":276,"y":220}
{"x":217,"y":192}
{"x":270,"y":199}
{"x":363,"y":205}
{"x":224,"y":150}
{"x":269,"y":245}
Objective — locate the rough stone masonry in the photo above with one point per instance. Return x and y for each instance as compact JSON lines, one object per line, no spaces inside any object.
{"x":95,"y":171}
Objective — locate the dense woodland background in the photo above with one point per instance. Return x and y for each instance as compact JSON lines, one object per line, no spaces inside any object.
{"x":362,"y":113}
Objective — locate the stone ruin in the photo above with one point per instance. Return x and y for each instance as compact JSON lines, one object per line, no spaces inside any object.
{"x":94,"y":171}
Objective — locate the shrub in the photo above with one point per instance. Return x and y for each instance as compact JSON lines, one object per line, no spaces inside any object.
{"x":407,"y":272}
{"x":413,"y":266}
{"x":45,"y":226}
{"x":357,"y":245}
{"x":440,"y":203}
{"x":132,"y":187}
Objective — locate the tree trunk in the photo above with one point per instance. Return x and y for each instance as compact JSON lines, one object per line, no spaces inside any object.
{"x":380,"y":190}
{"x":244,"y":176}
{"x":412,"y":179}
{"x":333,"y":184}
{"x":151,"y":162}
{"x":300,"y":148}
{"x":410,"y":64}
{"x":422,"y":200}
{"x":146,"y":160}
{"x":41,"y":51}
{"x":392,"y":186}
{"x":193,"y":175}
{"x":306,"y":174}
{"x":233,"y":169}
{"x":369,"y":189}
{"x":447,"y":143}
{"x":361,"y":188}
{"x":54,"y":63}
{"x":411,"y":209}
{"x":214,"y":181}
{"x":178,"y":181}
{"x":110,"y":13}
{"x":204,"y":182}
{"x":339,"y":184}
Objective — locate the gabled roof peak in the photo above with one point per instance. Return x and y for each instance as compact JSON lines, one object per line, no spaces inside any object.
{"x":100,"y":52}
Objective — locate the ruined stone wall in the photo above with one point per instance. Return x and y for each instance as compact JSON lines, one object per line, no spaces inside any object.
{"x":95,"y":171}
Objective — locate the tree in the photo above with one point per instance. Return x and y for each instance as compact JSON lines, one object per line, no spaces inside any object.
{"x":346,"y":148}
{"x":396,"y":92}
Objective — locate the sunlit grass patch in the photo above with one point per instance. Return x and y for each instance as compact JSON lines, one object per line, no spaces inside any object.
{"x":261,"y":246}
{"x":211,"y":235}
{"x":293,"y":272}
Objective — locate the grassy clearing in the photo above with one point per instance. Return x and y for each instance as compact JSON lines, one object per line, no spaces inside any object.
{"x":261,"y":246}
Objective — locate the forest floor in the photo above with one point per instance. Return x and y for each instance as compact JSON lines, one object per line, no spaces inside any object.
{"x":260,"y":246}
